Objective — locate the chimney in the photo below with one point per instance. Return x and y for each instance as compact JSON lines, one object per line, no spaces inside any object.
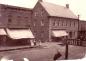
{"x":78,"y":16}
{"x":40,"y":0}
{"x":67,"y":5}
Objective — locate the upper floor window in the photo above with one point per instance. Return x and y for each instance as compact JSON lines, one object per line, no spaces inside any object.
{"x":70,"y":34}
{"x":70,"y":23}
{"x":42,"y":12}
{"x":65,"y":22}
{"x":9,"y":20}
{"x":58,"y":22}
{"x":42,"y":23}
{"x":35,"y":14}
{"x":62,"y":23}
{"x":19,"y":16}
{"x":74,"y":23}
{"x":54,"y":23}
{"x":0,"y":15}
{"x":9,"y":15}
{"x":34,"y":24}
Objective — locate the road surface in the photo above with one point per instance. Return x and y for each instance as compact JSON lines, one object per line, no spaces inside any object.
{"x":44,"y":53}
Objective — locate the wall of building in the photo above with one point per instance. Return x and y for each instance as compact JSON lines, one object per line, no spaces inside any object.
{"x":82,"y":25}
{"x":69,"y":25}
{"x":15,"y":17}
{"x":40,"y":23}
{"x":82,"y":30}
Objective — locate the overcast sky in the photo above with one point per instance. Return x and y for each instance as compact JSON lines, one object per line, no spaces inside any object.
{"x":77,"y":6}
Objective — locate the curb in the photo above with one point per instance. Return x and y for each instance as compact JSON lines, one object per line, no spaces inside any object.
{"x":20,"y":48}
{"x":14,"y":49}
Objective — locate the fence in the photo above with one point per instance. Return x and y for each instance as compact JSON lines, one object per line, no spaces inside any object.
{"x":74,"y":42}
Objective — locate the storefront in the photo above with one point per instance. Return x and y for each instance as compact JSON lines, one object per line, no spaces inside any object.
{"x":58,"y":35}
{"x":19,"y":36}
{"x":2,"y":37}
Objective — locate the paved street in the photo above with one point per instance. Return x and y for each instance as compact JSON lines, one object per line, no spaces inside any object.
{"x":44,"y":53}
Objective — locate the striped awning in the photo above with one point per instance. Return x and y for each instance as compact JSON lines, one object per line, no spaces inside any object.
{"x":19,"y":33}
{"x":59,"y":33}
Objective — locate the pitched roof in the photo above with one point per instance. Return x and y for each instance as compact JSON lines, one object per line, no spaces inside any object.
{"x":15,"y":7}
{"x":56,"y":10}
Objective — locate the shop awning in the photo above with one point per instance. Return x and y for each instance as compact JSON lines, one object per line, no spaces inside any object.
{"x":59,"y":33}
{"x":19,"y":33}
{"x":2,"y":32}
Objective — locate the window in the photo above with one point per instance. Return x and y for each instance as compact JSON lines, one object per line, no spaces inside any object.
{"x":26,"y":22}
{"x":34,"y":23}
{"x":9,"y":15}
{"x":70,"y":23}
{"x":62,"y":23}
{"x":74,"y":24}
{"x":19,"y":16}
{"x":54,"y":23}
{"x":35,"y":14}
{"x":66,"y":22}
{"x":70,"y":34}
{"x":42,"y":23}
{"x":42,"y":12}
{"x":0,"y":15}
{"x":58,"y":22}
{"x":29,"y":26}
{"x":9,"y":20}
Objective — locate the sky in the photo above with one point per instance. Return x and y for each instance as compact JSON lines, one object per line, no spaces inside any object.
{"x":77,"y":6}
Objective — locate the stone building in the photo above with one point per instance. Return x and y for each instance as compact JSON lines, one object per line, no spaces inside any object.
{"x":51,"y":21}
{"x":16,"y":21}
{"x":45,"y":22}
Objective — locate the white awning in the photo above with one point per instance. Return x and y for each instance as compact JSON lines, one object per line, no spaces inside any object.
{"x":19,"y":33}
{"x":2,"y":32}
{"x":59,"y":33}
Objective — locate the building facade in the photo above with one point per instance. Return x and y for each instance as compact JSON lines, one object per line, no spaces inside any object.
{"x":17,"y":21}
{"x":82,"y":32}
{"x":48,"y":17}
{"x":15,"y":17}
{"x":47,"y":21}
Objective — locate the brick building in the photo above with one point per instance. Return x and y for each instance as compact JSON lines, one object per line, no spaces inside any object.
{"x":16,"y":21}
{"x":50,"y":20}
{"x":82,"y":32}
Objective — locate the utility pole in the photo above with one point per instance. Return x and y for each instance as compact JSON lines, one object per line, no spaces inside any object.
{"x":66,"y":49}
